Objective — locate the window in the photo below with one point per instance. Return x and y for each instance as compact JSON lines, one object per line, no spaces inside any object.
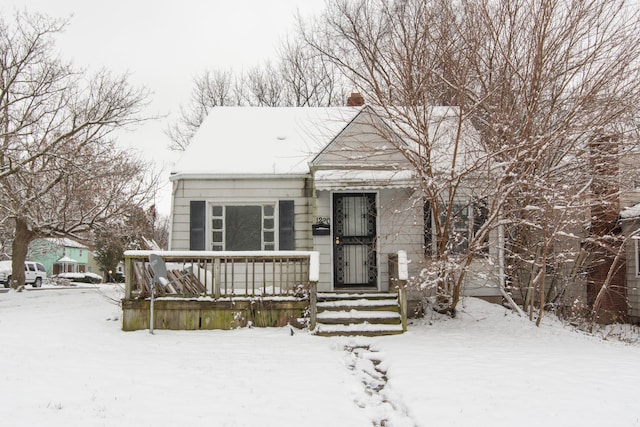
{"x":459,"y":234}
{"x":466,"y":221}
{"x":243,"y":228}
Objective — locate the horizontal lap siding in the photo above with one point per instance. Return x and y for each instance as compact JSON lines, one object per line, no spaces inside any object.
{"x":401,"y":228}
{"x":240,"y":191}
{"x":323,"y":244}
{"x":362,"y":144}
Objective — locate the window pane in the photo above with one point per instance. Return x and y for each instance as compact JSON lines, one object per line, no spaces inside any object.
{"x":269,"y":236}
{"x":216,"y":210}
{"x":217,"y":224}
{"x":217,"y":236}
{"x":243,"y":228}
{"x":268,"y":223}
{"x":268,"y":210}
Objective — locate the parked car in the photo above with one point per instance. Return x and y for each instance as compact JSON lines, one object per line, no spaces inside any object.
{"x":34,"y":273}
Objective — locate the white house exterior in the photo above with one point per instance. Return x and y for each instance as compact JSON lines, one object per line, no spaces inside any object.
{"x":319,"y":179}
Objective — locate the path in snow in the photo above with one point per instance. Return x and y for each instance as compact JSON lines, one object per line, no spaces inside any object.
{"x":365,"y":363}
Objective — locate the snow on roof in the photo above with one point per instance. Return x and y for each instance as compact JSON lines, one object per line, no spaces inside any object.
{"x":631,"y":212}
{"x":261,"y":140}
{"x":330,"y":179}
{"x":66,"y":260}
{"x":66,"y":242}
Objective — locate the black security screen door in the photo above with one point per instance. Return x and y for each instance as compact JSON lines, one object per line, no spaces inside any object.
{"x":354,"y":240}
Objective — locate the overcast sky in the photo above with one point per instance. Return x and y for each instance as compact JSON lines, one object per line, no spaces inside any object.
{"x":164,"y":44}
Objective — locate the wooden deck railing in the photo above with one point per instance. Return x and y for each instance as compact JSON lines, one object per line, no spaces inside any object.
{"x":224,"y":274}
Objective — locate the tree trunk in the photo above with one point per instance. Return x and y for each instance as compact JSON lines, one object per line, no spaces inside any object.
{"x":23,"y":237}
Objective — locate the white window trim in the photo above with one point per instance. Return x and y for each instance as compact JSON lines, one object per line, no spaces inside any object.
{"x":467,"y":204}
{"x":224,"y":203}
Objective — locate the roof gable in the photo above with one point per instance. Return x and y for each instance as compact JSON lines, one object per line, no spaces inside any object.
{"x":366,"y":142}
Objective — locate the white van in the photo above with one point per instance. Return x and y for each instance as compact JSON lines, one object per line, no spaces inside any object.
{"x":34,"y":273}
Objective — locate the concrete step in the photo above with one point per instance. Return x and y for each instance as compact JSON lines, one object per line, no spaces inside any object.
{"x":359,"y":316}
{"x":362,"y":329}
{"x":333,"y":296}
{"x":352,"y":314}
{"x":359,"y":304}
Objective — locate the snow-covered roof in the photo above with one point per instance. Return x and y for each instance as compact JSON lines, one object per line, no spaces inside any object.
{"x":258,"y":141}
{"x":631,"y":212}
{"x":66,"y":242}
{"x":66,"y":260}
{"x":330,"y":179}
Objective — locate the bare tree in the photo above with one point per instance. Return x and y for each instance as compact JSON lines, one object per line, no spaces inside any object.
{"x":540,"y":82}
{"x":60,"y":173}
{"x":310,"y":80}
{"x":299,"y":77}
{"x":212,"y":88}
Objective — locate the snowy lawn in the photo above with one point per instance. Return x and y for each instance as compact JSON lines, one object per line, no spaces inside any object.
{"x":65,"y":362}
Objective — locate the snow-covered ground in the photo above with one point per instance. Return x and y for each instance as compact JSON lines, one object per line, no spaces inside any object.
{"x":65,"y":362}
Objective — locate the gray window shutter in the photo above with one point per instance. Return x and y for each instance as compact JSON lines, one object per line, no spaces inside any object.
{"x":286,"y":225}
{"x":197,"y":220}
{"x":428,"y":229}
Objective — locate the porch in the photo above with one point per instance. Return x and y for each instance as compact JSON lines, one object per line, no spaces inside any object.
{"x":227,"y":290}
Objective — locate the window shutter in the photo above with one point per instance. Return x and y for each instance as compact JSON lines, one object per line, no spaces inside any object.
{"x":197,"y":215}
{"x":286,"y":225}
{"x":428,"y":236}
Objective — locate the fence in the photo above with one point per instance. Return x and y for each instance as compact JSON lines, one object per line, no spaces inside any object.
{"x":223,"y":274}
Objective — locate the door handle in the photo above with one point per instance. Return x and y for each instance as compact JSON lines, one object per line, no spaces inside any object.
{"x":337,"y":240}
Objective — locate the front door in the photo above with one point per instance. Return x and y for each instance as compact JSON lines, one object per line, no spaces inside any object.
{"x":354,"y":240}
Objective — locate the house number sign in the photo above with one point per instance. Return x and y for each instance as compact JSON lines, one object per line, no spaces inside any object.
{"x":322,"y":220}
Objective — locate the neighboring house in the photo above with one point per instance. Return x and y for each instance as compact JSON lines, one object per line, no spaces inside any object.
{"x":60,"y":255}
{"x":631,"y":229}
{"x":320,"y":179}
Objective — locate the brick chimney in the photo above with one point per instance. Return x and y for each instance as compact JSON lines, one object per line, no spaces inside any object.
{"x":355,"y":100}
{"x":605,"y":227}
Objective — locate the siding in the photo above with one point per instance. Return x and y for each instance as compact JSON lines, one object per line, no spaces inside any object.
{"x":323,"y":244}
{"x":362,"y":144}
{"x":400,"y":228}
{"x":240,"y":191}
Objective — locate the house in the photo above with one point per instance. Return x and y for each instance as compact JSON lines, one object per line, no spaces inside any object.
{"x":630,"y":224}
{"x":60,"y":255}
{"x":307,"y":179}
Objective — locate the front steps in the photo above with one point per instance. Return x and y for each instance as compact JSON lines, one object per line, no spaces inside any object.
{"x":351,"y":314}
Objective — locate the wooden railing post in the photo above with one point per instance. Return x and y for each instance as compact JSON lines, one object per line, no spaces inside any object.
{"x":402,"y":298}
{"x":313,"y":309}
{"x":216,"y":278}
{"x":403,"y":278}
{"x":128,"y":277}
